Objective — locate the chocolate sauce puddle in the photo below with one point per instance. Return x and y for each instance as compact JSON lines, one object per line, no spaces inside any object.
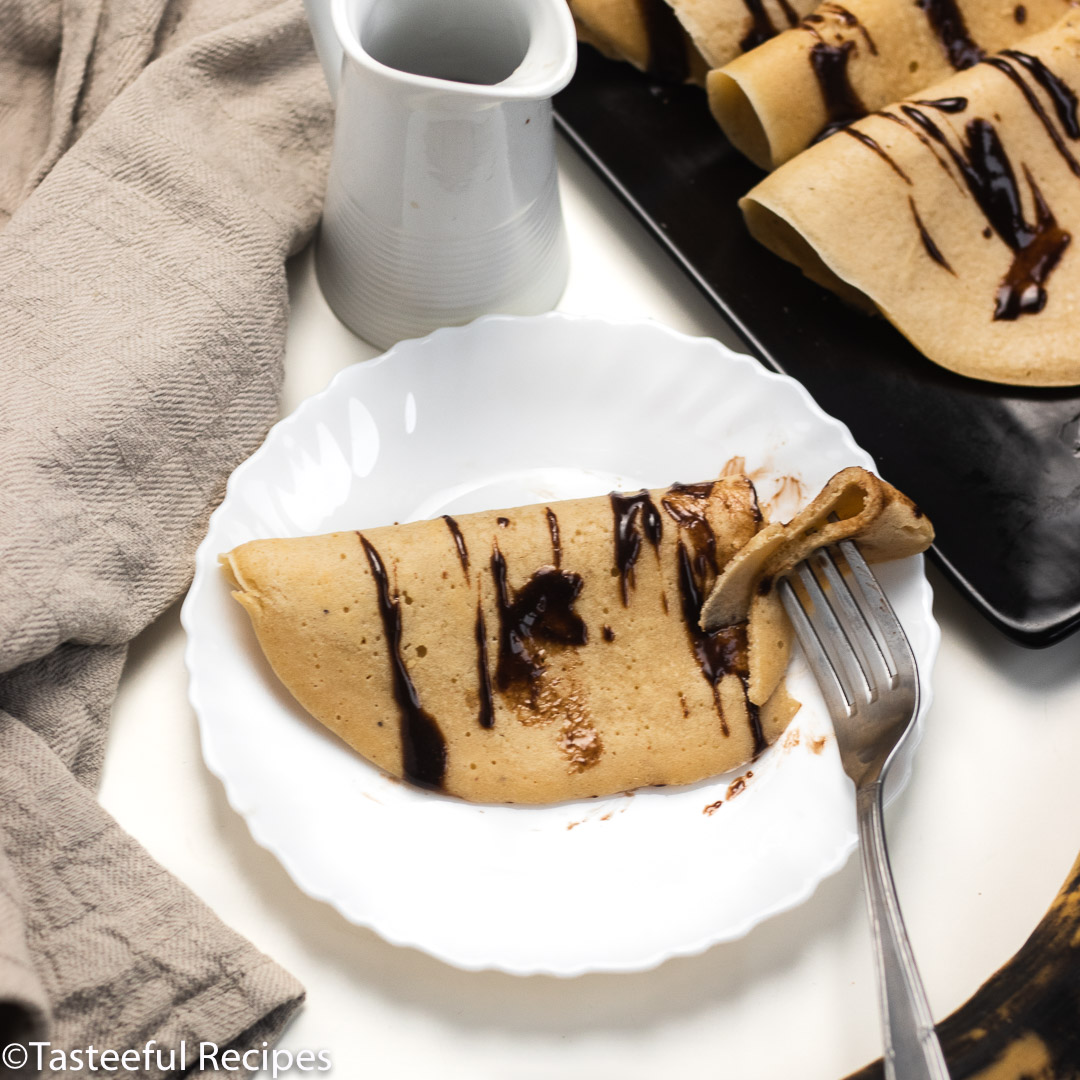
{"x":667,"y":45}
{"x":459,"y":543}
{"x":927,"y":240}
{"x":423,"y":748}
{"x":951,"y":30}
{"x":636,"y":516}
{"x":1037,"y":248}
{"x":542,"y":610}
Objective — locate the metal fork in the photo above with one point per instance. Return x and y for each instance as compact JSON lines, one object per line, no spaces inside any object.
{"x":863,"y":663}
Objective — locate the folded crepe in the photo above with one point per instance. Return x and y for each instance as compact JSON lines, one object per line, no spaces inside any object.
{"x":553,"y":651}
{"x":953,"y":214}
{"x":854,"y":505}
{"x":644,"y":32}
{"x":845,"y":61}
{"x":529,"y":655}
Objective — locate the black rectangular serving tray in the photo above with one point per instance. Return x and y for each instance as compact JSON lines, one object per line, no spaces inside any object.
{"x":997,"y":468}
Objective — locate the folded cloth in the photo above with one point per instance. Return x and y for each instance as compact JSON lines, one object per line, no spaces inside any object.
{"x":159,"y":160}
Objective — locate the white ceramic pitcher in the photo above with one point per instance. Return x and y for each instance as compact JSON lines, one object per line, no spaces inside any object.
{"x":442,"y":202}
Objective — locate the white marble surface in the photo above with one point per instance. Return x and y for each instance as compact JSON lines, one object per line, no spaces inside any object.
{"x":981,"y":839}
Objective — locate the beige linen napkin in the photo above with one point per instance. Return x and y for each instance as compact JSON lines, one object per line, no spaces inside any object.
{"x":159,"y":159}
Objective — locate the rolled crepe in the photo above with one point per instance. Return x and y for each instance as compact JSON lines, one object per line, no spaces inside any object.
{"x":527,"y":655}
{"x":644,"y":32}
{"x":854,"y":505}
{"x":845,"y":61}
{"x":722,"y":29}
{"x":953,"y":214}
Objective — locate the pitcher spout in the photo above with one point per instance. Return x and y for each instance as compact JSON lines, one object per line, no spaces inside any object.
{"x":551,"y":55}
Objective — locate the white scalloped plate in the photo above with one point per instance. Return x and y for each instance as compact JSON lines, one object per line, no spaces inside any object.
{"x":504,"y":412}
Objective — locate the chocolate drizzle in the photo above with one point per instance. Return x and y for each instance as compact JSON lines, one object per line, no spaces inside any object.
{"x":1037,"y":248}
{"x":718,"y":652}
{"x":635,"y":516}
{"x":687,"y":505}
{"x":761,"y":26}
{"x":846,"y":18}
{"x":754,"y":714}
{"x":928,"y":241}
{"x":873,"y":144}
{"x":999,"y":63}
{"x":925,"y":141}
{"x":541,"y":611}
{"x":423,"y":748}
{"x":829,"y":61}
{"x":667,"y":44}
{"x":842,"y":104}
{"x":1059,"y":92}
{"x":946,"y":104}
{"x":486,"y":715}
{"x":948,"y":24}
{"x":459,"y":543}
{"x":553,"y":529}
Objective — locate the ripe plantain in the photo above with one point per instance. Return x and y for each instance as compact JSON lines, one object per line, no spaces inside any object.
{"x":1023,"y":1023}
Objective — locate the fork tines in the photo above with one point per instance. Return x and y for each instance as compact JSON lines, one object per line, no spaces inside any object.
{"x":846,"y":625}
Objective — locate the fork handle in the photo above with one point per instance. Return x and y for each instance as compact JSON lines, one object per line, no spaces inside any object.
{"x":912,"y":1050}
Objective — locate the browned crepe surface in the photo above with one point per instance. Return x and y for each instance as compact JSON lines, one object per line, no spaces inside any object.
{"x":954,"y":214}
{"x":847,"y":60}
{"x":543,"y":653}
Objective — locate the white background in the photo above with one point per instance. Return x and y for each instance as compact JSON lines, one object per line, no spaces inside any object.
{"x":981,"y":840}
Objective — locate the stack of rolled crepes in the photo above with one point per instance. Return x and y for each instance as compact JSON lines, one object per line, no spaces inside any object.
{"x":927,"y":162}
